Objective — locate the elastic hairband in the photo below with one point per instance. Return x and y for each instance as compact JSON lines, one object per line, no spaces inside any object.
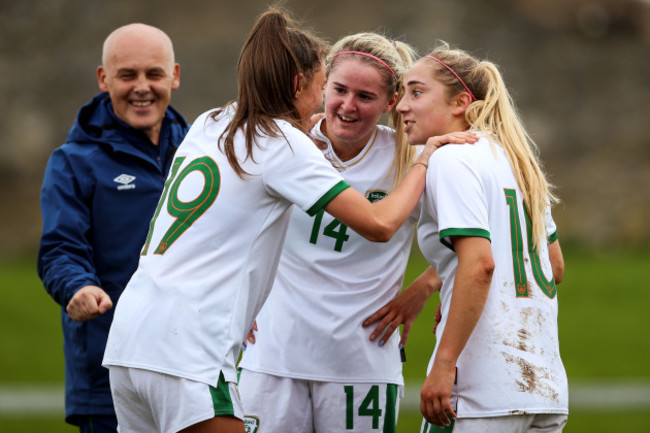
{"x":361,"y":53}
{"x":455,"y":75}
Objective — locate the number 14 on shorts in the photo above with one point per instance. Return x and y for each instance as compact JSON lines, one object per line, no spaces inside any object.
{"x":366,"y":409}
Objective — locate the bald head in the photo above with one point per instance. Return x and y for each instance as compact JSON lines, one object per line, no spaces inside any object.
{"x":139,"y":73}
{"x":136,"y":34}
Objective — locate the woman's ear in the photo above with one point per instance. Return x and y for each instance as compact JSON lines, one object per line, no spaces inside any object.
{"x":462,"y":102}
{"x":391,"y":103}
{"x":298,"y":81}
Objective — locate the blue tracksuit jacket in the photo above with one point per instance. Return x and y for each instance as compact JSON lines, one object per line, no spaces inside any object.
{"x":99,"y":193}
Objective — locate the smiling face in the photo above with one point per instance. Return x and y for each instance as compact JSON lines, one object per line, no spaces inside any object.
{"x":355,"y":98}
{"x":139,"y":73}
{"x":427,"y":109}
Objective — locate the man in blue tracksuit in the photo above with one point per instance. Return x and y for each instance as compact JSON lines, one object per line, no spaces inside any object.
{"x":99,"y":193}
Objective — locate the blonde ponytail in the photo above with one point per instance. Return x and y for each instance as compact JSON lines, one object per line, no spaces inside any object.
{"x":494,"y":114}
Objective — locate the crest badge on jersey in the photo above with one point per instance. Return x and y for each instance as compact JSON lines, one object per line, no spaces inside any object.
{"x":374,"y":196}
{"x":251,"y":424}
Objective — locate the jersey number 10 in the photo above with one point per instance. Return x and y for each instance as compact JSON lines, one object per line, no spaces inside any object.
{"x":516,"y":238}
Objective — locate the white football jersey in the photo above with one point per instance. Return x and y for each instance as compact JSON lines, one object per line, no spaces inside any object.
{"x":511,"y":363}
{"x":214,"y":245}
{"x":330,"y":280}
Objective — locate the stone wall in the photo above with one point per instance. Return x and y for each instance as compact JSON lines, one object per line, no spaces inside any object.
{"x":578,"y":70}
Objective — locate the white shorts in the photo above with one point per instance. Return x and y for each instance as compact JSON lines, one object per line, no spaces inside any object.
{"x":534,"y":423}
{"x":147,"y":401}
{"x":274,"y":403}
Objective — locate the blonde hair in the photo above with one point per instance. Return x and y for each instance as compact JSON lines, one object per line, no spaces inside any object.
{"x":494,"y":114}
{"x":399,"y":56}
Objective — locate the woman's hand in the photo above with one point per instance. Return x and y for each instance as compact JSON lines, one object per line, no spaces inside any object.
{"x":433,"y":143}
{"x":250,"y":338}
{"x":435,"y":397}
{"x":404,"y":309}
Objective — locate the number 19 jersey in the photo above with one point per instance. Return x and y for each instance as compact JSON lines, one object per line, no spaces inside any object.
{"x":213,"y":248}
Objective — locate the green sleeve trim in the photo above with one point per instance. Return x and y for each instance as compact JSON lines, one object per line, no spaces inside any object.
{"x":327,"y":197}
{"x":477,"y":233}
{"x":480,"y":233}
{"x":552,"y":238}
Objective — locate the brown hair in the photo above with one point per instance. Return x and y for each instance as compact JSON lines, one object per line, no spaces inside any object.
{"x":269,"y":65}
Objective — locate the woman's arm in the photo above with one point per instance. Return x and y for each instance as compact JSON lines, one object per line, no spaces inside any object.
{"x":471,"y":285}
{"x":380,"y":220}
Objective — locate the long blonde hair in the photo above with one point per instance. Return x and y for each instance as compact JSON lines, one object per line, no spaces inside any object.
{"x":399,"y":56}
{"x":494,"y":113}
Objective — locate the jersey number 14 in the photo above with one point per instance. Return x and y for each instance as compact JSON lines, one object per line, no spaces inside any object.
{"x":336,"y":229}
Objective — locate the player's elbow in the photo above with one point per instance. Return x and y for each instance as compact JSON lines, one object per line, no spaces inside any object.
{"x":484,"y":269}
{"x":475,"y":258}
{"x":382,"y":237}
{"x":379,"y":231}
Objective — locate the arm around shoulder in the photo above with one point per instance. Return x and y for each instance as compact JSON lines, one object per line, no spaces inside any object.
{"x":380,"y":220}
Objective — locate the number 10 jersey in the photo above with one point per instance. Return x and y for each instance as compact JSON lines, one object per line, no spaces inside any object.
{"x":511,"y":363}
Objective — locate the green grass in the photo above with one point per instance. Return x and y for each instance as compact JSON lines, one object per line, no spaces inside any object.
{"x":603,"y":336}
{"x":36,"y":424}
{"x":30,"y":328}
{"x":604,"y":319}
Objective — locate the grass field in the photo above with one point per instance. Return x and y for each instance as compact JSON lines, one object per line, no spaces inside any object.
{"x":604,"y":324}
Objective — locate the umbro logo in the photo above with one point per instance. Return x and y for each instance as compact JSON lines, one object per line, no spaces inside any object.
{"x":125,"y":181}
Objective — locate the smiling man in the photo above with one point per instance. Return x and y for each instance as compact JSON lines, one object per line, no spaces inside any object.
{"x":99,"y":193}
{"x":139,"y":74}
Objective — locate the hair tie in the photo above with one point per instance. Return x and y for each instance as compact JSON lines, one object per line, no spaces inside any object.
{"x":361,"y":53}
{"x":455,"y":75}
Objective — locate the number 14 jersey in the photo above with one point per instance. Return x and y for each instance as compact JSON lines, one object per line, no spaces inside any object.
{"x":329,"y":281}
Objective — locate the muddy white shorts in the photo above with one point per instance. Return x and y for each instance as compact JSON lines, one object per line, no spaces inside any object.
{"x":534,"y":423}
{"x":147,"y":401}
